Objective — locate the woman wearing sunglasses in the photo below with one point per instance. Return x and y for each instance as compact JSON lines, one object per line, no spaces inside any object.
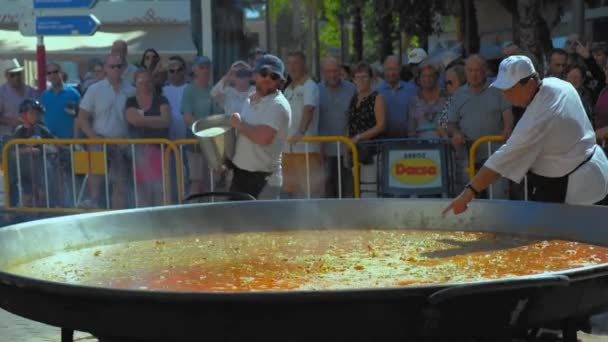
{"x":425,"y":109}
{"x":454,"y":78}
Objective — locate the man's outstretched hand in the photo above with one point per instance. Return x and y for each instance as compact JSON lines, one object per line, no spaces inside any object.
{"x":460,"y":204}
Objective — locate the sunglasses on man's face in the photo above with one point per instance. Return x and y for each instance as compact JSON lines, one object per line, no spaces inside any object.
{"x":265,"y":73}
{"x":52,"y":72}
{"x":174,"y":71}
{"x":448,"y":82}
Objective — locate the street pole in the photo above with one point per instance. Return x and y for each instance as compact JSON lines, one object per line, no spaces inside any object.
{"x":269,"y":45}
{"x":578,"y":18}
{"x":316,"y":42}
{"x":343,"y":33}
{"x":207,"y":28}
{"x":467,"y":27}
{"x":41,"y":64}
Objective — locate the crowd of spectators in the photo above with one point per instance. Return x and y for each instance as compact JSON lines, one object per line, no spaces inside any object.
{"x":162,"y":97}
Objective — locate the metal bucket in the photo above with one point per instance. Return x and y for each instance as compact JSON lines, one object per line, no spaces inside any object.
{"x":216,"y":139}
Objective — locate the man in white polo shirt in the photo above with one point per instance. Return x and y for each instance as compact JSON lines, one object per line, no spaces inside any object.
{"x":102,"y":115}
{"x":262,"y":129}
{"x":303,"y":96}
{"x":554,"y":142}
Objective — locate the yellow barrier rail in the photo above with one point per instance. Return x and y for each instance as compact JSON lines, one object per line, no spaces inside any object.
{"x":307,"y":139}
{"x":475,"y":146}
{"x":179,"y":166}
{"x":171,"y":147}
{"x":351,"y":146}
{"x":166,"y":170}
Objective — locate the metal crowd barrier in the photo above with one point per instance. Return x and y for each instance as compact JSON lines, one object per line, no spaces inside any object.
{"x":95,"y":163}
{"x":179,"y":166}
{"x":181,"y":144}
{"x":489,"y":139}
{"x":82,"y":163}
{"x":337,"y":140}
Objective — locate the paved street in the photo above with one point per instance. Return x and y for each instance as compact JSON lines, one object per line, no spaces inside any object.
{"x":16,"y":329}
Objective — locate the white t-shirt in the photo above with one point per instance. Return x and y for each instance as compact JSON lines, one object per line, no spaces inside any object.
{"x":107,"y":108}
{"x":272,"y":110}
{"x":552,"y":138}
{"x":177,"y":128}
{"x":305,"y":94}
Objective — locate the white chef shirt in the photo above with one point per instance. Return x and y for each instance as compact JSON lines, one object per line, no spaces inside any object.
{"x":552,"y":138}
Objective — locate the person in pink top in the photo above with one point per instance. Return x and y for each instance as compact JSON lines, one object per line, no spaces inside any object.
{"x":12,"y":93}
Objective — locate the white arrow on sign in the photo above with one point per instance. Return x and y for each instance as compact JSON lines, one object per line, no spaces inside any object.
{"x":49,"y":23}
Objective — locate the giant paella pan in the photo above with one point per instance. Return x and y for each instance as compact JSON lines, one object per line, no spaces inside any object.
{"x":340,"y":270}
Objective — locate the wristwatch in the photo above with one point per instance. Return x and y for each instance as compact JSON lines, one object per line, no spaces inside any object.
{"x":470,"y":187}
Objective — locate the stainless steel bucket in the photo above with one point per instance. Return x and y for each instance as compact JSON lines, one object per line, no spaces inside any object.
{"x":216,"y":139}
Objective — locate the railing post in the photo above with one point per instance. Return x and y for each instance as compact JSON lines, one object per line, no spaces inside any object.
{"x":46,"y":176}
{"x":134,"y":166}
{"x":339,"y":166}
{"x":307,"y":170}
{"x":163,"y":174}
{"x":19,"y":186}
{"x":74,"y":200}
{"x":107,"y":171}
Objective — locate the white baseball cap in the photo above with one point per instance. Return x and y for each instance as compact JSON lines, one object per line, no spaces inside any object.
{"x":416,"y":56}
{"x":511,"y":70}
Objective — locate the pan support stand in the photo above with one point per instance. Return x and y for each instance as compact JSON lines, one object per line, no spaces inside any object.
{"x":569,"y":330}
{"x":67,"y":335}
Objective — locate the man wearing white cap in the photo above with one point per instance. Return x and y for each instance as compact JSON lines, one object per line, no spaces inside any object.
{"x":554,"y":142}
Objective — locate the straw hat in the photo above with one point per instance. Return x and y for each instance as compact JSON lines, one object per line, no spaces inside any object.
{"x":11,"y":66}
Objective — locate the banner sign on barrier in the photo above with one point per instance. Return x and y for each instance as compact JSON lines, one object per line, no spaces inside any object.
{"x":414,"y":168}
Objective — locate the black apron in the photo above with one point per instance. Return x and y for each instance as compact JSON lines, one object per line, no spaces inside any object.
{"x":550,"y":189}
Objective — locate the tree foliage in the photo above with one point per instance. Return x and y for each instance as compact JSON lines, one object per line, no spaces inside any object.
{"x":532,"y":24}
{"x":374,"y":26}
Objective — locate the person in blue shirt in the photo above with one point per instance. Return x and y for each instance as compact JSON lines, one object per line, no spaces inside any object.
{"x":61,"y":102}
{"x":397,"y":96}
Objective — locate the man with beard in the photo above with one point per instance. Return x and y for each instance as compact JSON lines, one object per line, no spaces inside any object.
{"x":262,"y":129}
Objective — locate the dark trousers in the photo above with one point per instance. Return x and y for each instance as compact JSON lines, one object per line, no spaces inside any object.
{"x":332,"y":181}
{"x":248,"y":182}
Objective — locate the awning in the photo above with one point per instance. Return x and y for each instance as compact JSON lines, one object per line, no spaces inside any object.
{"x":74,"y":52}
{"x":166,"y":39}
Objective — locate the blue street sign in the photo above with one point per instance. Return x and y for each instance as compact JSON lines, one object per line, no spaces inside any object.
{"x":76,"y":25}
{"x":64,"y":3}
